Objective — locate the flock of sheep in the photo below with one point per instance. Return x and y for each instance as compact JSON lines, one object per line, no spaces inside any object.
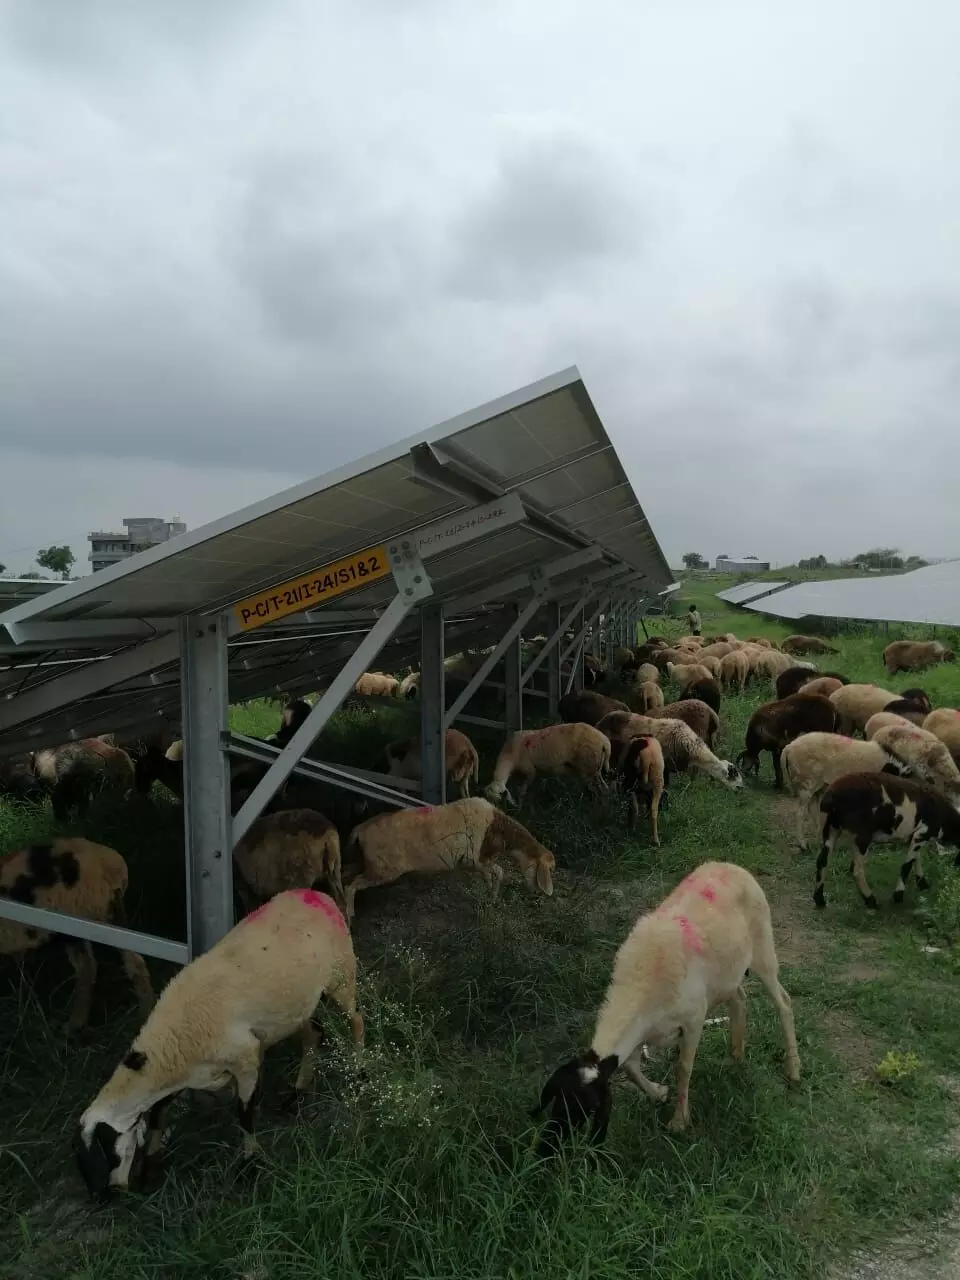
{"x":263,"y":982}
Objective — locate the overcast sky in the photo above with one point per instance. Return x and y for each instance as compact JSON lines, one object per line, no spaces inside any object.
{"x":241,"y":243}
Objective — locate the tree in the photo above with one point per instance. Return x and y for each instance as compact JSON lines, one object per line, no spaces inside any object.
{"x":694,"y":560}
{"x":57,"y":559}
{"x":880,"y":558}
{"x":31,"y":575}
{"x":813,"y":562}
{"x":3,"y":567}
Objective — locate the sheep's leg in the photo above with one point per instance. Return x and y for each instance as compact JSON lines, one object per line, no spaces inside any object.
{"x":859,"y":871}
{"x":766,"y":967}
{"x":134,"y":966}
{"x":84,"y":964}
{"x":633,"y":811}
{"x":737,"y":1005}
{"x":777,"y":770}
{"x":913,"y":857}
{"x":803,"y":806}
{"x":688,"y":1051}
{"x":654,"y":813}
{"x":826,"y":848}
{"x":344,"y":997}
{"x":246,"y":1073}
{"x":922,"y":881}
{"x":658,"y":1092}
{"x":350,"y":893}
{"x":492,"y":873}
{"x":309,"y":1039}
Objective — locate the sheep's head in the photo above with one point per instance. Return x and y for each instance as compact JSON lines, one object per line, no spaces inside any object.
{"x":110,"y":1159}
{"x":497,"y":792}
{"x":576,"y":1093}
{"x":730,"y":776}
{"x":949,"y":656}
{"x":920,"y":697}
{"x":538,"y":868}
{"x":747,"y":762}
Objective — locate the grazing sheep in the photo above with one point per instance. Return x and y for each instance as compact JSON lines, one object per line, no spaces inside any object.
{"x":77,"y":878}
{"x":734,"y":670}
{"x":623,"y":658}
{"x":883,"y":720}
{"x":649,"y":696}
{"x":466,"y":833}
{"x":376,"y":684}
{"x":559,"y":750}
{"x":688,"y":673}
{"x":641,"y":777}
{"x":409,"y":685}
{"x":775,"y":724}
{"x":771,"y":664}
{"x":872,"y":808}
{"x":706,"y":691}
{"x":717,"y":651}
{"x":212,"y":1024}
{"x":856,"y":703}
{"x":646,"y":672}
{"x":703,"y":720}
{"x":678,"y":962}
{"x":945,"y":723}
{"x":587,"y":706}
{"x":914,"y":655}
{"x":18,"y":780}
{"x":460,"y":760}
{"x":806,"y":644}
{"x":793,"y":680}
{"x":825,"y":685}
{"x":682,"y":748}
{"x":924,"y":754}
{"x":916,"y":711}
{"x":811,"y":762}
{"x":74,"y":771}
{"x":762,"y":641}
{"x":288,"y":849}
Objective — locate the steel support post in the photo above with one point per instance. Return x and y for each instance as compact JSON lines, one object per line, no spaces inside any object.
{"x":433,"y":772}
{"x":557,"y":628}
{"x":513,"y":690}
{"x":206,"y":781}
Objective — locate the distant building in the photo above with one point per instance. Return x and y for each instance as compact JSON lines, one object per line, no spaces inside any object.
{"x":141,"y":532}
{"x":742,"y":564}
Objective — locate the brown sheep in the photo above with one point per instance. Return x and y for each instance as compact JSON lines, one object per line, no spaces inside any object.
{"x":806,"y":644}
{"x":688,"y":673}
{"x":290,"y":849}
{"x":914,"y":655}
{"x":587,"y":706}
{"x":734,"y":670}
{"x":648,"y":697}
{"x":696,"y":715}
{"x":461,"y":761}
{"x":559,"y":750}
{"x":762,"y":641}
{"x":775,"y":724}
{"x":375,"y":684}
{"x":641,"y":777}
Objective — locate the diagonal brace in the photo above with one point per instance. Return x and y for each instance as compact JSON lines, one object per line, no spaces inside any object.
{"x":555,"y":637}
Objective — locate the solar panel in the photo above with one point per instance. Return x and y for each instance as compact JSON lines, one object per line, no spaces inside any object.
{"x":744,"y":591}
{"x":930,"y":595}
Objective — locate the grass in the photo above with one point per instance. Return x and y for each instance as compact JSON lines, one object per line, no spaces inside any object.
{"x":423,"y":1168}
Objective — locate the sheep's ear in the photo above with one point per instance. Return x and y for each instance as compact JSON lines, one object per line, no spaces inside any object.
{"x":544,"y":879}
{"x":607,"y":1066}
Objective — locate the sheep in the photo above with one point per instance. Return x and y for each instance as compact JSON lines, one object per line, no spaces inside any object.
{"x":762,"y":641}
{"x":793,"y":680}
{"x":882,"y":720}
{"x":806,"y":644}
{"x":924,"y":754}
{"x":559,"y":749}
{"x":856,"y":703}
{"x":641,"y":776}
{"x":679,"y":961}
{"x":688,"y":673}
{"x":814,"y":760}
{"x":775,"y":724}
{"x":587,"y":706}
{"x":211,"y":1026}
{"x":649,"y":696}
{"x":718,"y":650}
{"x":734,"y":670}
{"x":376,"y":684}
{"x":73,"y":771}
{"x":623,"y":658}
{"x":825,"y":685}
{"x":703,"y":720}
{"x":646,"y":672}
{"x":465,"y":833}
{"x":461,"y":761}
{"x":288,"y":849}
{"x":882,"y":808}
{"x":945,"y":723}
{"x":914,"y":711}
{"x":772,"y":664}
{"x":78,"y":878}
{"x":410,"y":685}
{"x":682,"y":748}
{"x":18,"y":780}
{"x":914,"y":655}
{"x":706,"y":691}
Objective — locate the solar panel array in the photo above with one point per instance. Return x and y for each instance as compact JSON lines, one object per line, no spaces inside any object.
{"x":744,"y":591}
{"x":930,"y":595}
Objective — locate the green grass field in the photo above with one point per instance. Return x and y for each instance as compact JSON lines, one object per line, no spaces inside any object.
{"x":424,"y":1167}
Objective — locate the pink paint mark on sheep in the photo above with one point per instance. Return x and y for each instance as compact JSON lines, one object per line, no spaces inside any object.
{"x":690,"y":935}
{"x":311,"y":898}
{"x":708,"y":892}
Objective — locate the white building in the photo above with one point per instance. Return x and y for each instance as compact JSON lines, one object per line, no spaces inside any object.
{"x":140,"y":532}
{"x":741,"y":564}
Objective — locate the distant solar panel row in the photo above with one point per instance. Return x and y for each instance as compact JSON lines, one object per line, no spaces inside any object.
{"x":930,"y":595}
{"x":749,"y":591}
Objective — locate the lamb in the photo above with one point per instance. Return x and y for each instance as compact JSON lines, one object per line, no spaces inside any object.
{"x":288,"y":849}
{"x":945,"y":723}
{"x":856,"y":703}
{"x":678,"y":962}
{"x":466,"y":833}
{"x":775,"y":724}
{"x":641,"y":776}
{"x":376,"y":684}
{"x":261,"y":983}
{"x":649,"y":696}
{"x":703,"y":720}
{"x":734,"y":671}
{"x":682,"y":748}
{"x":914,"y":655}
{"x":74,"y":771}
{"x":924,"y":754}
{"x":460,"y":760}
{"x":587,"y":706}
{"x":811,"y":762}
{"x":872,"y":808}
{"x":559,"y":749}
{"x":78,"y":878}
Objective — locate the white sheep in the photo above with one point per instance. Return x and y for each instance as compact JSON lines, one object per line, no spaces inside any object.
{"x":559,"y":749}
{"x":945,"y":723}
{"x":856,"y":703}
{"x":472,"y":834}
{"x":811,"y":762}
{"x":212,"y":1024}
{"x":682,"y":748}
{"x":78,"y":878}
{"x":678,"y":962}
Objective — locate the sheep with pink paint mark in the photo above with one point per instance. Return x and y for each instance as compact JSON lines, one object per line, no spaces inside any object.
{"x":678,"y":962}
{"x":212,"y":1024}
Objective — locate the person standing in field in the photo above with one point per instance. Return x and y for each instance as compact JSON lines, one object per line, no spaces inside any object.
{"x":693,"y":620}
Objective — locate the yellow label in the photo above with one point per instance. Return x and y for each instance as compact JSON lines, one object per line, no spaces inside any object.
{"x":314,"y":588}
